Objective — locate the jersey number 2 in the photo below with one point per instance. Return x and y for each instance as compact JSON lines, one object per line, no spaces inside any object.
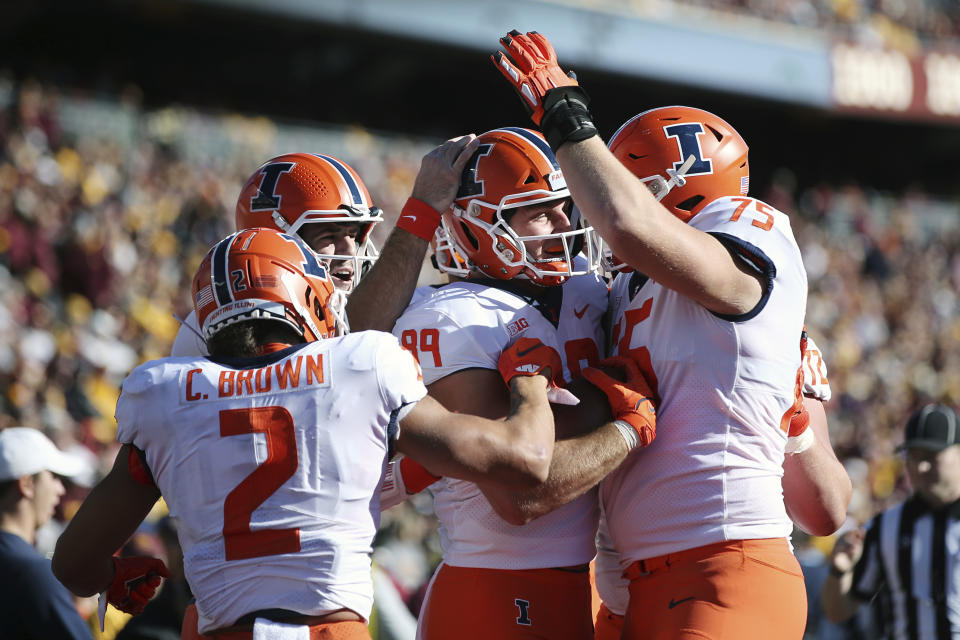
{"x":276,"y":424}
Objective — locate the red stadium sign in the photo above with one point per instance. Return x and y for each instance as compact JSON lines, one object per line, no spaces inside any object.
{"x":894,"y":84}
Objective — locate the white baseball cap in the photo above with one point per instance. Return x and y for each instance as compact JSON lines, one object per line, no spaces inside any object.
{"x":25,"y":451}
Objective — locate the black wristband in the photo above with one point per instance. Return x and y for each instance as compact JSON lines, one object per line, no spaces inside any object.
{"x":837,"y":573}
{"x":566,"y":116}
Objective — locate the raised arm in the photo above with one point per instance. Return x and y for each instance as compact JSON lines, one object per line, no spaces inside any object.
{"x":639,"y":230}
{"x":645,"y":235}
{"x":383,"y":294}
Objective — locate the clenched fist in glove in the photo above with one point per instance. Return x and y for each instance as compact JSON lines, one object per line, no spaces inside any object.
{"x":530,"y":357}
{"x":631,"y":401}
{"x":135,"y":580}
{"x":553,"y":99}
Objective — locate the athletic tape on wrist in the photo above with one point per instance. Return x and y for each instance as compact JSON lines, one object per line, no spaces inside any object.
{"x":800,"y":443}
{"x":566,"y":117}
{"x":630,"y":435}
{"x":419,"y":218}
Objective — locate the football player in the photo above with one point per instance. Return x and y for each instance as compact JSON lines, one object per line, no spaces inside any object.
{"x":710,"y":313}
{"x":323,"y":201}
{"x":526,"y":266}
{"x":816,"y":493}
{"x":269,"y":452}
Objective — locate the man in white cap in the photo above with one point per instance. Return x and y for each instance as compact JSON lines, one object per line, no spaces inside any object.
{"x":33,"y":604}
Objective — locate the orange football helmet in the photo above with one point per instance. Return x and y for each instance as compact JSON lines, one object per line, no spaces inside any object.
{"x":294,"y":189}
{"x":687,"y":157}
{"x":262,"y":274}
{"x":512,"y":168}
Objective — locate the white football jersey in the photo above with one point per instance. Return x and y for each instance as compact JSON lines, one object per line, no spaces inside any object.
{"x":271,"y":467}
{"x":725,"y":385}
{"x":467,"y":325}
{"x":608,"y":570}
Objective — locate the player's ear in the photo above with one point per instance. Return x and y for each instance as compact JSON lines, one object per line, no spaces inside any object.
{"x":27,"y":486}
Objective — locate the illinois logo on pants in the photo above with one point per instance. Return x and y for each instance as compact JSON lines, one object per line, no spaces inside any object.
{"x":479,"y":604}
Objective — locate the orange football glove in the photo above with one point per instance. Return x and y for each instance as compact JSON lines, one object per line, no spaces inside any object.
{"x":533,"y":71}
{"x":135,"y":580}
{"x":630,"y":401}
{"x":530,"y":357}
{"x":799,"y":422}
{"x":554,"y":100}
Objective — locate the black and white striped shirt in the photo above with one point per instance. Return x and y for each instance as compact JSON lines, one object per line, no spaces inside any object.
{"x":911,"y":563}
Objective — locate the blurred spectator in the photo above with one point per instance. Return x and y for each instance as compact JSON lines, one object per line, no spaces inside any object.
{"x":32,"y":602}
{"x":898,"y":24}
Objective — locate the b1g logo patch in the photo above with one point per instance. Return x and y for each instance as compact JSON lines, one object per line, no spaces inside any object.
{"x":524,"y":607}
{"x":517,"y":326}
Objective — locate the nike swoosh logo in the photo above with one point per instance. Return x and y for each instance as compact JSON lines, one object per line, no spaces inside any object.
{"x":580,"y":313}
{"x":523,"y":353}
{"x":414,"y":218}
{"x":674,"y":603}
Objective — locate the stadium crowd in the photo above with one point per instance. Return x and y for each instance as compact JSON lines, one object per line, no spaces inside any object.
{"x":106,"y":210}
{"x":900,"y":24}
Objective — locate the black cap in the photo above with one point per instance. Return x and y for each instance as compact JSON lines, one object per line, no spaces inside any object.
{"x":933,"y":427}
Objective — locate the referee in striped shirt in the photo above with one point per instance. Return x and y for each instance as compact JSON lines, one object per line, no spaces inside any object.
{"x":909,"y":556}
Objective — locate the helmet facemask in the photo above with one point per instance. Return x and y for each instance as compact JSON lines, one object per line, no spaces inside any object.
{"x":446,"y":257}
{"x":513,"y":168}
{"x":366,"y":253}
{"x":511,"y":249}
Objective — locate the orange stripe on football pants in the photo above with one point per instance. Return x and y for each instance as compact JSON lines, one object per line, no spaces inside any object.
{"x":482,"y":604}
{"x":744,"y":589}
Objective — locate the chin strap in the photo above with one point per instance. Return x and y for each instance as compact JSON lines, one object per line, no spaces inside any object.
{"x":304,"y":314}
{"x":183,"y":323}
{"x":660,"y":187}
{"x":677,"y":175}
{"x":281,"y":222}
